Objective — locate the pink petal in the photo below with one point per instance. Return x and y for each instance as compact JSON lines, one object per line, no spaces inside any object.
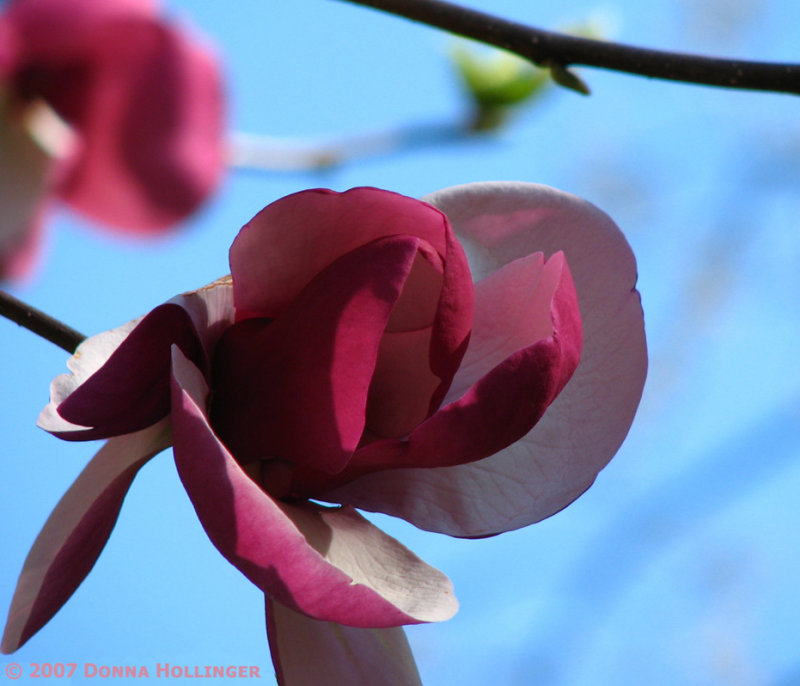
{"x":513,"y":311}
{"x":210,"y":309}
{"x":307,"y":652}
{"x":138,"y":168}
{"x":89,"y":357}
{"x":512,"y":391}
{"x":145,"y":169}
{"x":583,"y":428}
{"x":119,"y":381}
{"x":292,"y":240}
{"x":417,"y":360}
{"x":9,"y":48}
{"x":76,"y":532}
{"x":47,"y":28}
{"x":403,"y":386}
{"x":296,"y":388}
{"x":328,"y":564}
{"x":131,"y":389}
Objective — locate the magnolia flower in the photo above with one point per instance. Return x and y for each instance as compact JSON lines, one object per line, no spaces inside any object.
{"x":351,"y":358}
{"x":108,"y":108}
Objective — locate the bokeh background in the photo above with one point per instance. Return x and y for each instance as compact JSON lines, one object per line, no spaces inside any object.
{"x":680,"y":565}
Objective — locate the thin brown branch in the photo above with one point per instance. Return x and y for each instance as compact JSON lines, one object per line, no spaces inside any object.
{"x":546,"y":48}
{"x":39,"y":323}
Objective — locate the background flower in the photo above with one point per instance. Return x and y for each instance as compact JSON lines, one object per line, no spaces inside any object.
{"x":111,"y":109}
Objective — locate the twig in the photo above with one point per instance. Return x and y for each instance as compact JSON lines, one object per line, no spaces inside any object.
{"x":39,"y":323}
{"x":268,"y":153}
{"x":549,"y":49}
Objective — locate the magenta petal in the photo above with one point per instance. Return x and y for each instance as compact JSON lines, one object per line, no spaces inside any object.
{"x":47,"y":28}
{"x":328,"y":564}
{"x":296,"y":388}
{"x":308,"y":652}
{"x":453,"y":324}
{"x":145,"y":168}
{"x":131,"y":389}
{"x":137,"y":167}
{"x":76,"y":532}
{"x":119,"y":380}
{"x":583,"y":428}
{"x":292,"y":240}
{"x":504,"y":404}
{"x":513,"y":311}
{"x":403,"y":385}
{"x":419,"y":356}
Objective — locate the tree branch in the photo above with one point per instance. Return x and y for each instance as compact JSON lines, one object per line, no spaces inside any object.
{"x":548,"y":49}
{"x":39,"y":323}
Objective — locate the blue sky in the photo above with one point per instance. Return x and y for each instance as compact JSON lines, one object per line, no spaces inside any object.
{"x":679,"y":564}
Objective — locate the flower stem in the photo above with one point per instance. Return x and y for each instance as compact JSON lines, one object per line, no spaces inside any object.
{"x":546,"y":48}
{"x":39,"y":323}
{"x":269,"y":153}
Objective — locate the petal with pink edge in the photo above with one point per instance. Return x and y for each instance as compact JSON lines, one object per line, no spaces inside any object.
{"x":210,"y":309}
{"x":330,"y":564}
{"x":585,"y":425}
{"x":119,"y":381}
{"x":130,"y":391}
{"x":341,"y":654}
{"x":503,"y":404}
{"x":76,"y":532}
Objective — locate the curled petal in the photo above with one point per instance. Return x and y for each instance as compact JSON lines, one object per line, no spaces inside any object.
{"x":417,"y":361}
{"x":514,"y":310}
{"x":119,"y":381}
{"x":130,"y":390}
{"x":503,"y":405}
{"x":295,"y":238}
{"x":210,"y":309}
{"x":511,"y":381}
{"x":330,"y":564}
{"x":403,"y":386}
{"x":383,"y":655}
{"x":311,"y":368}
{"x":76,"y":532}
{"x":583,"y":428}
{"x":290,"y":241}
{"x":89,"y":357}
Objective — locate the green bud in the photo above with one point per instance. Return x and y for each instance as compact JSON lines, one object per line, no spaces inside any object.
{"x":496,"y":78}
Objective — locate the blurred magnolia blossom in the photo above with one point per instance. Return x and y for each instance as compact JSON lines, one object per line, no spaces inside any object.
{"x":108,"y":108}
{"x":468,"y":363}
